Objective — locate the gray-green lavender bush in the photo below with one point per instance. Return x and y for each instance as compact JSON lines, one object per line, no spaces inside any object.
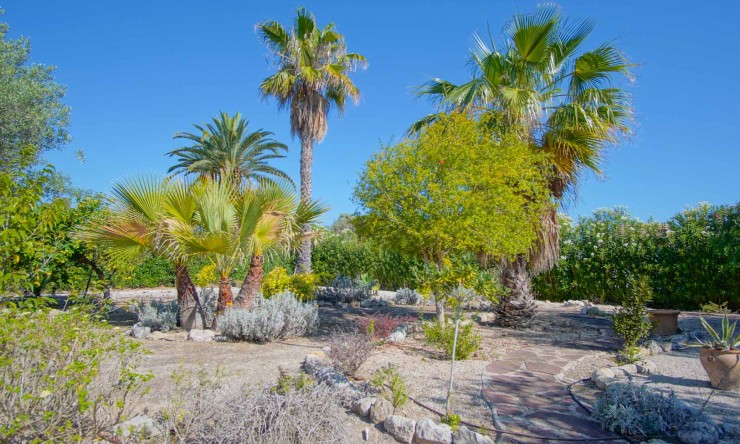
{"x":269,"y":319}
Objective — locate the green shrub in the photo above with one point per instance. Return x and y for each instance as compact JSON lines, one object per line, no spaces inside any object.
{"x":389,"y":383}
{"x":63,"y":377}
{"x":157,"y":315}
{"x":302,"y":285}
{"x":631,"y":321}
{"x":206,"y":276}
{"x":443,"y":337}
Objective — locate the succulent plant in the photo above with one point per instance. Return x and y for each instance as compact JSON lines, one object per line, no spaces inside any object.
{"x":725,"y":339}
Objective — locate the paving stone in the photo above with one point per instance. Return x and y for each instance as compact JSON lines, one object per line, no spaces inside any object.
{"x":543,"y":367}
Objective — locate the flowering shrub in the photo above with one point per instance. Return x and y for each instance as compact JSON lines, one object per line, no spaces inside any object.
{"x":691,"y":260}
{"x":302,"y":285}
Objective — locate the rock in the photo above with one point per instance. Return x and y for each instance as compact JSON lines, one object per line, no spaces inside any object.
{"x":362,"y":406}
{"x":398,"y":334}
{"x":602,"y":382}
{"x":573,"y":304}
{"x":698,"y":432}
{"x":157,"y":336}
{"x":666,"y":346}
{"x":429,"y":432}
{"x":311,"y":364}
{"x":731,"y":430}
{"x":201,"y":335}
{"x":603,"y":372}
{"x":382,"y":303}
{"x":139,"y":425}
{"x":625,"y":371}
{"x":464,"y":435}
{"x":654,"y":441}
{"x":366,"y":434}
{"x":646,"y":367}
{"x":366,"y":303}
{"x":654,"y":348}
{"x":486,"y":317}
{"x":400,"y":427}
{"x":381,"y":409}
{"x":140,"y":332}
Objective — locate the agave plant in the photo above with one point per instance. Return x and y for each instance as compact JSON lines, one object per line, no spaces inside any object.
{"x":725,"y":339}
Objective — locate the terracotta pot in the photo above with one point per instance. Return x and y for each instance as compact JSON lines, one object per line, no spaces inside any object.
{"x":665,"y":322}
{"x":722,"y":367}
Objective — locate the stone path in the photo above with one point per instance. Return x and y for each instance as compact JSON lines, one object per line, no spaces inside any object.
{"x":530,"y":395}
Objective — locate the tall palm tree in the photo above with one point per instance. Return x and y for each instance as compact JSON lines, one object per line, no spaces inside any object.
{"x":226,"y":147}
{"x":563,"y":99}
{"x":133,"y":228}
{"x":312,"y":77}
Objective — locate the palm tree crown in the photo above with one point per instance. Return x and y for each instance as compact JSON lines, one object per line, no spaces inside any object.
{"x":226,"y":148}
{"x":312,"y":72}
{"x":542,"y":80}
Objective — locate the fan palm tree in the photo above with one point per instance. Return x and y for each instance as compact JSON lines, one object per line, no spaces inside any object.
{"x":563,"y":99}
{"x":312,"y":77}
{"x":226,"y":147}
{"x":133,"y":229}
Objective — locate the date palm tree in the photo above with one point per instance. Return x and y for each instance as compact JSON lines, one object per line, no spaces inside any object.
{"x":226,"y":147}
{"x":562,"y":98}
{"x":132,"y":229}
{"x":312,"y":77}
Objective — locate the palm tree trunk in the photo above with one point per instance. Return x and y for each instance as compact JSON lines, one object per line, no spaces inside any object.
{"x":191,"y":311}
{"x":517,"y":308}
{"x":225,"y":295}
{"x":251,"y":285}
{"x":303,"y":264}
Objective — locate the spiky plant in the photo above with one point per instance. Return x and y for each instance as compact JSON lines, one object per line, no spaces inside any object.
{"x":312,"y":77}
{"x":542,"y":84}
{"x":725,"y":339}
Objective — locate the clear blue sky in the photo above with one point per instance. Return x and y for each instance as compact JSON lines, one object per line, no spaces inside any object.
{"x":138,"y":71}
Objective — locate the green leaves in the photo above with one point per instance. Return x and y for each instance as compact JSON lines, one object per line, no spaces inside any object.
{"x":725,"y":339}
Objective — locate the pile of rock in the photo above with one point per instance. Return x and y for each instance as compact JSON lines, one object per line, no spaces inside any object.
{"x":606,"y":376}
{"x":408,"y":430}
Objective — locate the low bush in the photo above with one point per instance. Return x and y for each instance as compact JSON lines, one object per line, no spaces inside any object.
{"x":64,"y":377}
{"x":206,"y":276}
{"x":205,"y":410}
{"x":443,"y":336}
{"x":631,"y":321}
{"x":406,"y":296}
{"x":269,"y":319}
{"x":277,"y":281}
{"x":345,"y":289}
{"x":638,"y":411}
{"x":157,"y":315}
{"x":389,"y":383}
{"x":348,"y":350}
{"x":379,"y":326}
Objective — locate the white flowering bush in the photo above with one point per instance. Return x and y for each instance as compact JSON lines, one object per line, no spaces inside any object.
{"x":269,"y":319}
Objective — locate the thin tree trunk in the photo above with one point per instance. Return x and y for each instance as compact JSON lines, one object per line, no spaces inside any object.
{"x":191,"y":311}
{"x":303,"y":264}
{"x":225,"y":295}
{"x":252,"y":282}
{"x":517,"y":308}
{"x":439,"y":308}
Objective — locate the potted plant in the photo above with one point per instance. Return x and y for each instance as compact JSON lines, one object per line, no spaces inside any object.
{"x":720,"y":356}
{"x":665,"y":322}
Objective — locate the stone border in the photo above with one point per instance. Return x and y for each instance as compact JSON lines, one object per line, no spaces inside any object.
{"x":380,"y":410}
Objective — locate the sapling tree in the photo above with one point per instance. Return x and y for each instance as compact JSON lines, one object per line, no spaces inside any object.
{"x":460,"y":187}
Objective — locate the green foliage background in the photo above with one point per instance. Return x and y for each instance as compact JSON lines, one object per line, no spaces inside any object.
{"x":692,"y":259}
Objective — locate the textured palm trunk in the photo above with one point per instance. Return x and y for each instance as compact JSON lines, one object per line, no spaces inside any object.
{"x":225,"y":295}
{"x":191,"y":311}
{"x":303,"y":263}
{"x":251,"y":285}
{"x":517,"y":308}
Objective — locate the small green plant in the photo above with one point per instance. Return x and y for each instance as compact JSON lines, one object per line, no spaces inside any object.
{"x":388,"y":381}
{"x":287,"y":383}
{"x":452,"y":420}
{"x":371,"y":327}
{"x":629,"y":355}
{"x":206,"y":276}
{"x":631,"y":320}
{"x":712,"y":307}
{"x":443,"y":337}
{"x":725,"y":339}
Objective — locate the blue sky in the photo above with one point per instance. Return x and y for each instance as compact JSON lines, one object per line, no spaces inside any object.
{"x":138,"y":71}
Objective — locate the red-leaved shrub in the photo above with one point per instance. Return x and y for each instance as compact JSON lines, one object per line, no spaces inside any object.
{"x":379,"y":326}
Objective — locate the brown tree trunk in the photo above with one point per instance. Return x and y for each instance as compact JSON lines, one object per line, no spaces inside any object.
{"x":251,"y":285}
{"x":517,"y":308}
{"x":303,"y":263}
{"x":225,"y":295}
{"x":191,"y":311}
